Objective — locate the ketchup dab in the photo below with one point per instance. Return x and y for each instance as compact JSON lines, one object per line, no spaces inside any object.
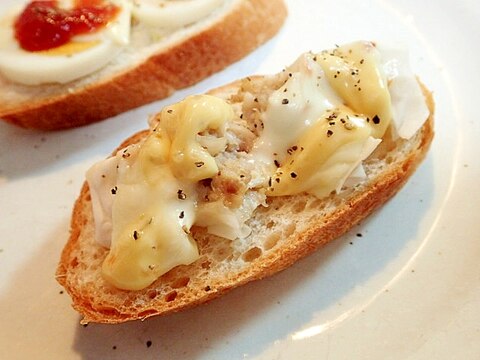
{"x":43,"y":25}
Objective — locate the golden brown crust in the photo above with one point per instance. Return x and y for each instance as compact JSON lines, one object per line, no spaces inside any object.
{"x":185,"y":287}
{"x":237,"y":34}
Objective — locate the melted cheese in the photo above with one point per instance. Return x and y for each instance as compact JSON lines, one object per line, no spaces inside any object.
{"x":152,"y":200}
{"x":322,"y":156}
{"x":319,"y":130}
{"x":409,"y":110}
{"x":294,"y":107}
{"x":356,"y":74}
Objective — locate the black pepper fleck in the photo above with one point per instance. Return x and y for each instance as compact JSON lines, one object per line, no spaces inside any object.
{"x":114,"y":190}
{"x":277,"y":164}
{"x":135,"y":235}
{"x":332,"y":116}
{"x":181,"y":195}
{"x":149,"y":343}
{"x":199,"y":164}
{"x":329,"y":133}
{"x":376,"y":120}
{"x":293,"y":175}
{"x":182,"y":215}
{"x":285,"y":101}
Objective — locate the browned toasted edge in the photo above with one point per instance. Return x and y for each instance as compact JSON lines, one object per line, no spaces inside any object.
{"x":318,"y":234}
{"x":227,"y":41}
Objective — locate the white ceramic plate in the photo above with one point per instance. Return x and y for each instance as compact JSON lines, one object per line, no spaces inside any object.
{"x":408,"y":288}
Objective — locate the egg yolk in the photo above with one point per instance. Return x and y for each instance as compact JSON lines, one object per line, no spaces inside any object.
{"x":43,"y":25}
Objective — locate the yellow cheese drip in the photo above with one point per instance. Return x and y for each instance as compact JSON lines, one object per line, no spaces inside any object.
{"x":155,"y":199}
{"x":354,"y":73}
{"x":321,"y":156}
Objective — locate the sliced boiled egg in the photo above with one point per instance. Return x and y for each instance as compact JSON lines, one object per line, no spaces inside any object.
{"x":84,"y":54}
{"x":173,"y":14}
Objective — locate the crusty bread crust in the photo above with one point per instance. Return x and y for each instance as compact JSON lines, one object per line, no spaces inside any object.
{"x":240,"y":31}
{"x":293,"y":226}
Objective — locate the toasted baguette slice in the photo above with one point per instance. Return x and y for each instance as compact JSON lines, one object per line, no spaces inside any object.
{"x":282,"y":233}
{"x":142,"y":74}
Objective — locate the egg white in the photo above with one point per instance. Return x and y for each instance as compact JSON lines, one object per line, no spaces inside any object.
{"x":173,"y":14}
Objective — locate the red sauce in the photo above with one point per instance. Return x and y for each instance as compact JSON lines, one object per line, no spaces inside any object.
{"x":43,"y":25}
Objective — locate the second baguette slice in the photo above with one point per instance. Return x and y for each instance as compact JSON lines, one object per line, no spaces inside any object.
{"x":151,"y":75}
